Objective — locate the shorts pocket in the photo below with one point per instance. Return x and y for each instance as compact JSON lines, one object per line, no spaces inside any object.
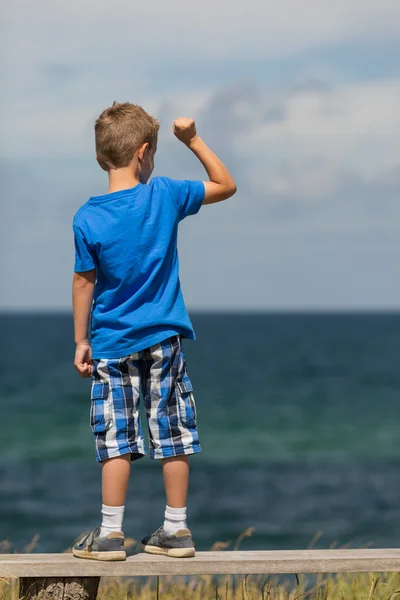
{"x":101,"y":409}
{"x":185,"y":401}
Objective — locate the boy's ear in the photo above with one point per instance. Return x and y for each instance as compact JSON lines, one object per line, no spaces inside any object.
{"x":142,"y":151}
{"x":102,"y":165}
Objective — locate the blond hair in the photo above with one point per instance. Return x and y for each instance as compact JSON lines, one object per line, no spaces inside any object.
{"x":119,"y":131}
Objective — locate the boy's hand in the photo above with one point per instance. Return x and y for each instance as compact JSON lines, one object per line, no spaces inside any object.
{"x":185,"y":130}
{"x":83,"y":359}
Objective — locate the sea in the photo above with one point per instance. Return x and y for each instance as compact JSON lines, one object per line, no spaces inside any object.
{"x":299,"y":421}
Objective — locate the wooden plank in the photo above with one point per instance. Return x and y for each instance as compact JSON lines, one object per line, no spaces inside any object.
{"x":205,"y":563}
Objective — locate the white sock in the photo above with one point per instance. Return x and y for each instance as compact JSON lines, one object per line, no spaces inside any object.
{"x":175,"y":519}
{"x":112,"y":519}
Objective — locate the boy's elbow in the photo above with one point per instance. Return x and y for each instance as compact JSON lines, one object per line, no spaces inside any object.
{"x":231,"y":189}
{"x":216,"y":192}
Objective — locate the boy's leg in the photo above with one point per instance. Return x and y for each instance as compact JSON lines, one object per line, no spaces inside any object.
{"x":115,"y":422}
{"x":124,"y":435}
{"x":115,"y":479}
{"x":173,"y":436}
{"x":176,"y":480}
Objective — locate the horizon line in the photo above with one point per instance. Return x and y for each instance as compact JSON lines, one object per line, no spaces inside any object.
{"x":220,"y":310}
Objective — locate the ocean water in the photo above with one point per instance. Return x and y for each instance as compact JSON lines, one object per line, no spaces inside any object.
{"x":299,"y":420}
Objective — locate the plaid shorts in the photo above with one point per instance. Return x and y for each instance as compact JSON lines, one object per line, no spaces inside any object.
{"x":158,"y":375}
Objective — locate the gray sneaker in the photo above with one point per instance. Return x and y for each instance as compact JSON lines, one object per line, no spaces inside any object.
{"x":94,"y":547}
{"x":178,"y":545}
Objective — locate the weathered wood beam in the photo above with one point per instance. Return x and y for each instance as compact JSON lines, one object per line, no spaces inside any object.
{"x":205,"y":563}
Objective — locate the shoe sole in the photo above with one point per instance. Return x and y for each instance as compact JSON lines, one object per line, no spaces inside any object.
{"x":172,"y":552}
{"x":117,"y":555}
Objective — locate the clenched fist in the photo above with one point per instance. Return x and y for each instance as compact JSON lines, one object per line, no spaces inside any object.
{"x":83,"y":362}
{"x":185,"y":130}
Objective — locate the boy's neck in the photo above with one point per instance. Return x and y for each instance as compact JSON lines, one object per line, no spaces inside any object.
{"x":122,"y":179}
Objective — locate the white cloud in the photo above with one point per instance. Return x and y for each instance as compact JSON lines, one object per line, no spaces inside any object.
{"x":209,"y":29}
{"x":66,"y":61}
{"x":316,"y":160}
{"x":314,"y":152}
{"x":354,"y":125}
{"x":307,"y":158}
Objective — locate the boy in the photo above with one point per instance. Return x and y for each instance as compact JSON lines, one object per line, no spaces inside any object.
{"x":127,"y":262}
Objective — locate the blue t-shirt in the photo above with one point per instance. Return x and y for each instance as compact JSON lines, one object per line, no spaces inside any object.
{"x":130,"y":238}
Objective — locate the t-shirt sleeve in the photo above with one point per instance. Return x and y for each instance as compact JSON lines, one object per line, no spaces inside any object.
{"x":84,"y":255}
{"x":189,"y":196}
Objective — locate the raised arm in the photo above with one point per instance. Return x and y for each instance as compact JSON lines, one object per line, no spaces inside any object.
{"x":221,"y":184}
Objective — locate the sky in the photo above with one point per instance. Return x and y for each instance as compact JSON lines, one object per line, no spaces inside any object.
{"x":300,"y":99}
